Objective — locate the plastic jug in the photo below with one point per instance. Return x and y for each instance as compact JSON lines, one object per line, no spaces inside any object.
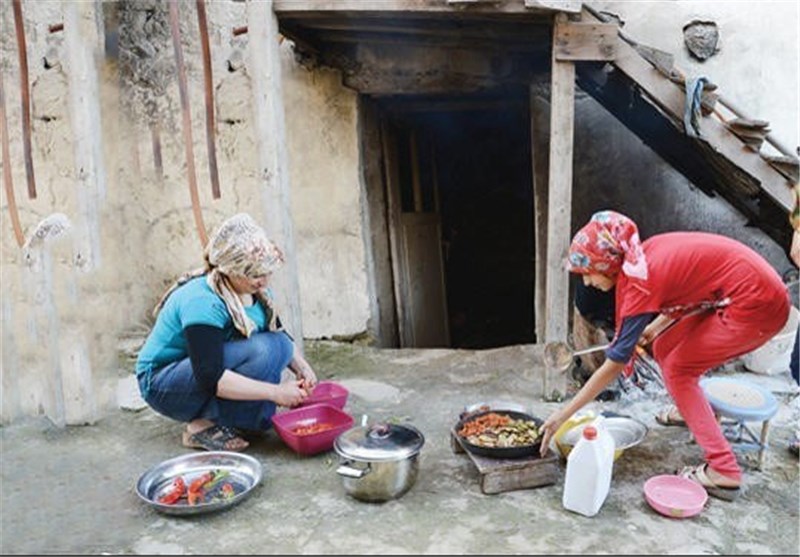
{"x":589,"y":468}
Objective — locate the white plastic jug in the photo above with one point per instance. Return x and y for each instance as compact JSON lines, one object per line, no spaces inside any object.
{"x":589,"y":467}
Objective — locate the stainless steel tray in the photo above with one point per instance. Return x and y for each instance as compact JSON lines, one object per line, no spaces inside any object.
{"x":243,"y":473}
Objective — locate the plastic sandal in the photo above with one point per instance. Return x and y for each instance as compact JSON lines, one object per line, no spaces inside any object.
{"x":794,"y":446}
{"x":698,"y":475}
{"x":214,"y":438}
{"x":666,"y":418}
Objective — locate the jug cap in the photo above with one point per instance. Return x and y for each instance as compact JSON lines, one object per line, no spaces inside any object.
{"x":590,"y":432}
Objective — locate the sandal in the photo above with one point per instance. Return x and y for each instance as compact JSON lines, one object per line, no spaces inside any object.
{"x":794,"y":446}
{"x":214,"y":438}
{"x":667,"y":417}
{"x":698,"y":475}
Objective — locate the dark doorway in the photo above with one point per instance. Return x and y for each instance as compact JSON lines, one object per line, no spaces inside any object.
{"x":485,"y":194}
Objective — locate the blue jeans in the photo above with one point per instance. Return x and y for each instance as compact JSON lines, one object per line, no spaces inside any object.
{"x":174,"y":391}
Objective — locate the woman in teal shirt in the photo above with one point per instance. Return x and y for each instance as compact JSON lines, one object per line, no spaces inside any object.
{"x":216,"y":353}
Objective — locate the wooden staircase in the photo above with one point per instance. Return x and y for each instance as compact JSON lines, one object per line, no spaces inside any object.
{"x":644,"y":90}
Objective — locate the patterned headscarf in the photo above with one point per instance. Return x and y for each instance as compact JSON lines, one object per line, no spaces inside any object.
{"x":239,"y":247}
{"x":608,"y":244}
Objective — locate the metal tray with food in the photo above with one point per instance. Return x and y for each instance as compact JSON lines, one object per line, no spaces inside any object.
{"x":199,"y":482}
{"x":500,"y":434}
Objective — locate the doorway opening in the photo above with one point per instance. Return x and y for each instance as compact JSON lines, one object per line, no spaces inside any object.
{"x":478,"y":152}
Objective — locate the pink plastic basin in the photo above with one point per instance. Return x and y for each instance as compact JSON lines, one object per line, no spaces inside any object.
{"x":327,"y":392}
{"x":286,"y":422}
{"x":674,"y":496}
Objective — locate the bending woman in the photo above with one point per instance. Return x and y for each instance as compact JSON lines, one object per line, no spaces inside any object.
{"x":215,"y":355}
{"x":666,"y":277}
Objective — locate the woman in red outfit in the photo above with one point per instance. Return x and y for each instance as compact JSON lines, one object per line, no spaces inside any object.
{"x":667,"y":277}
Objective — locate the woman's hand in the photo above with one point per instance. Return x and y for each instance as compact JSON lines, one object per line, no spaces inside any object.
{"x":290,"y":394}
{"x":302,"y":369}
{"x":596,"y":383}
{"x":655,"y":327}
{"x":549,"y":428}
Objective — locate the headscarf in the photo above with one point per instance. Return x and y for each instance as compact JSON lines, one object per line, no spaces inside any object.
{"x":607,"y":244}
{"x":239,"y":247}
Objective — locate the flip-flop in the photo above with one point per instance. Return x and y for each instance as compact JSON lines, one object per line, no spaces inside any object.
{"x":666,"y":418}
{"x":214,"y":438}
{"x":698,"y":475}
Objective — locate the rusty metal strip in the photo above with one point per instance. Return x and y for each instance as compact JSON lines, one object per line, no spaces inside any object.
{"x":8,"y":181}
{"x":155,"y":138}
{"x":19,"y":26}
{"x":202,"y":22}
{"x":187,"y":121}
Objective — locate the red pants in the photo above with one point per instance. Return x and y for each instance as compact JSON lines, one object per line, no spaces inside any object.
{"x":699,"y":343}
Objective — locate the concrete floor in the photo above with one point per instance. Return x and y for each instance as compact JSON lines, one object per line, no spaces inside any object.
{"x":67,"y":491}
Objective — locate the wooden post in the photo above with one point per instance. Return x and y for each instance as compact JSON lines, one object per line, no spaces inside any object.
{"x":562,"y":106}
{"x":540,"y":133}
{"x":82,"y":41}
{"x":265,"y":70}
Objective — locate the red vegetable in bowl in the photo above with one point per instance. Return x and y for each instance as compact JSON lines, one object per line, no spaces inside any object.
{"x":177,"y":491}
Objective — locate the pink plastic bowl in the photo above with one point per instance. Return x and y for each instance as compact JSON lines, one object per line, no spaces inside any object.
{"x":674,"y":496}
{"x":327,"y":392}
{"x":286,"y":422}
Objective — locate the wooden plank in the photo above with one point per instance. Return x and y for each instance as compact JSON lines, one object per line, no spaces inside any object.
{"x":75,"y":366}
{"x":389,"y":144}
{"x":540,"y":139}
{"x":572,"y":6}
{"x":383,"y":325}
{"x":543,"y":473}
{"x":585,"y":41}
{"x":498,"y":475}
{"x":419,"y":70}
{"x":671,"y":100}
{"x":264,"y":48}
{"x":406,"y":28}
{"x":562,"y":115}
{"x":504,"y":7}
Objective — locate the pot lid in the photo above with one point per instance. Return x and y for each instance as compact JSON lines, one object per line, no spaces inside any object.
{"x":383,"y":441}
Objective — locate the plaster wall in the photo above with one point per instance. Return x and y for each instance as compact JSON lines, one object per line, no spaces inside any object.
{"x":57,"y":290}
{"x":66,"y":304}
{"x":756,"y":66}
{"x":322,"y":131}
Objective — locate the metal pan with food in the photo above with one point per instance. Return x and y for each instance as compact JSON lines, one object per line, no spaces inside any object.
{"x":500,"y":434}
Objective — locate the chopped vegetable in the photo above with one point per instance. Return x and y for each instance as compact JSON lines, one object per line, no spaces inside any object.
{"x":177,"y":490}
{"x":227,"y":491}
{"x":313,"y":428}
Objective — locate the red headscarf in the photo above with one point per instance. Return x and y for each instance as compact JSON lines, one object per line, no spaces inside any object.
{"x":608,"y":244}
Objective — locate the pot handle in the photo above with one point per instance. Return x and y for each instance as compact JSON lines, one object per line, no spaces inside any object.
{"x":350,"y":472}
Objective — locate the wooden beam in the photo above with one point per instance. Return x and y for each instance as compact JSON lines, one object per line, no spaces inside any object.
{"x":540,"y":140}
{"x":408,"y":68}
{"x":264,"y":49}
{"x":383,"y":324}
{"x":562,"y":116}
{"x":572,"y":6}
{"x":585,"y":41}
{"x":428,"y":41}
{"x":432,"y":6}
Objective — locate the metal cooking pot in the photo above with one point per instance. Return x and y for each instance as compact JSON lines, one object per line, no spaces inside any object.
{"x":379,"y":462}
